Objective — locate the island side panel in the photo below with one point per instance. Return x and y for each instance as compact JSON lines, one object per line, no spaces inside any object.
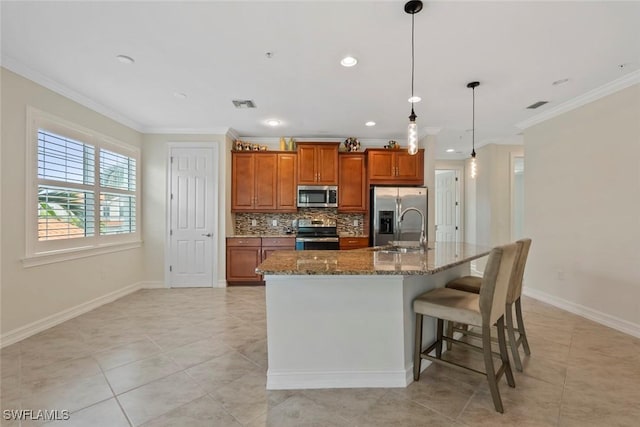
{"x":335,"y":331}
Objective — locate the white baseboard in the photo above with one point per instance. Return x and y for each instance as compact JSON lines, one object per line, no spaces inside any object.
{"x":155,"y":284}
{"x":597,"y":316}
{"x":354,"y":379}
{"x":33,"y":328}
{"x":222,"y":283}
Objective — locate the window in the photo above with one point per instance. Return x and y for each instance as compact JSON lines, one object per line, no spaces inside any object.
{"x":84,"y":188}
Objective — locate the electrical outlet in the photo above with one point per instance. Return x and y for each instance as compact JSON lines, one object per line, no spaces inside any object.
{"x":254,"y":222}
{"x":355,"y":222}
{"x":274,"y":222}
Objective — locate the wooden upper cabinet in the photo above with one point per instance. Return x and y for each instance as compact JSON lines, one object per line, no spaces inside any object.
{"x":263,"y":182}
{"x":287,"y":185}
{"x":318,"y":163}
{"x":266,"y":170}
{"x":352,"y":187}
{"x":253,"y":182}
{"x":395,"y":167}
{"x":242,"y":182}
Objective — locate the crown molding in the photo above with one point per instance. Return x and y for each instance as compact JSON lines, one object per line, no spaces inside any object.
{"x":233,"y":134}
{"x":187,"y":131}
{"x":19,"y":68}
{"x":593,"y":95}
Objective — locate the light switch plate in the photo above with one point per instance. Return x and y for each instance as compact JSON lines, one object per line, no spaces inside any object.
{"x":355,"y":222}
{"x":274,"y":223}
{"x":254,"y":222}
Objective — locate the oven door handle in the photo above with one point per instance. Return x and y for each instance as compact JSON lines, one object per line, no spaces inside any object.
{"x":317,"y":239}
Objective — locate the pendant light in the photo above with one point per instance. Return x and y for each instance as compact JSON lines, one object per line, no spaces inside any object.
{"x":474,"y":167}
{"x":412,"y":7}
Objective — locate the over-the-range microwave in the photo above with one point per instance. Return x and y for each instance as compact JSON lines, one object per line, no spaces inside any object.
{"x":317,"y":196}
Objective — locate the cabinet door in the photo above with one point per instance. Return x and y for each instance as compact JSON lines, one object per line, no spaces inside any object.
{"x":381,"y":166}
{"x":410,"y":169}
{"x":306,"y":164}
{"x":242,"y":263}
{"x":287,"y":185}
{"x":265,"y":172}
{"x":327,"y":164}
{"x":242,"y":182}
{"x":352,"y":191}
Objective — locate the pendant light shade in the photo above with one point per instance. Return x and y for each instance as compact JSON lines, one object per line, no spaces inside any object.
{"x":412,"y":7}
{"x":474,"y":166}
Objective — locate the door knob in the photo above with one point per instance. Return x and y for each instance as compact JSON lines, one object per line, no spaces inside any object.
{"x":208,"y":235}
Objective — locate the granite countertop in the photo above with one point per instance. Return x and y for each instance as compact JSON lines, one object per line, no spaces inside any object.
{"x":244,"y":236}
{"x":371,"y":261}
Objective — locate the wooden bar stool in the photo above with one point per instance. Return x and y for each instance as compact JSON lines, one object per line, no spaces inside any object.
{"x":484,"y":309}
{"x":473,"y":284}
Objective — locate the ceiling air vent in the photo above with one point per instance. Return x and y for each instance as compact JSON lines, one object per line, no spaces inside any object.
{"x":537,"y":104}
{"x":243,"y":103}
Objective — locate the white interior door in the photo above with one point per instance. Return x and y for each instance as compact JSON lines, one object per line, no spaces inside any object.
{"x":192,"y":217}
{"x":446,"y":206}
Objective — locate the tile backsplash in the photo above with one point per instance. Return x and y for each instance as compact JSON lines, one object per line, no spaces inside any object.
{"x":264,"y":221}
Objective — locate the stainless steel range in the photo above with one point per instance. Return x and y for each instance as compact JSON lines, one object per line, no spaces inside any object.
{"x":318,"y":234}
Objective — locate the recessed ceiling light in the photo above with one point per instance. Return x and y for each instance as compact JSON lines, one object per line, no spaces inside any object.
{"x":273,"y":122}
{"x":125,"y":59}
{"x":450,"y":150}
{"x":180,"y":95}
{"x":348,"y":61}
{"x":559,"y":82}
{"x":414,"y":99}
{"x":370,"y":123}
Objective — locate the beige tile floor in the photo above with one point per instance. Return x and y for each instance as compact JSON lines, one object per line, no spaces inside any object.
{"x":198,"y":357}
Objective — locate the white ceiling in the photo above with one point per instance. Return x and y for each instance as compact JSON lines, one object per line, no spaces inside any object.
{"x":215,"y":52}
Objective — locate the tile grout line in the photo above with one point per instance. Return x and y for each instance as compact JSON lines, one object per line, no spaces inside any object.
{"x":115,"y":396}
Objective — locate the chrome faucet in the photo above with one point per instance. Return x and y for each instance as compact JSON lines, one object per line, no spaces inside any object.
{"x":423,"y":237}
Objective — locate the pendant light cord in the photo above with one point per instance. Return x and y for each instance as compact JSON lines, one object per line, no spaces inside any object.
{"x":473,"y":124}
{"x":412,"y":56}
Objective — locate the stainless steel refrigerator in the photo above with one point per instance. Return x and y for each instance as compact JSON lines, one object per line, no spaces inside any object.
{"x":388,"y":204}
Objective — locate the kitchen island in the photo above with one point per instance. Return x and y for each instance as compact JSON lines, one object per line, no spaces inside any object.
{"x":343,"y":319}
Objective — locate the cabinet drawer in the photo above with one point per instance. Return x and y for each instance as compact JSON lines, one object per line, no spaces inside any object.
{"x":243,"y":241}
{"x":354,"y":242}
{"x":284,"y":242}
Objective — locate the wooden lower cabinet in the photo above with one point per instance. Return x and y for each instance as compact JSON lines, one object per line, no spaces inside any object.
{"x":354,"y":242}
{"x":272,"y":244}
{"x":244,"y":254}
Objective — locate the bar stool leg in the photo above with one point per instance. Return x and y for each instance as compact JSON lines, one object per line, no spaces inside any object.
{"x":502,"y":343}
{"x":439,"y":328}
{"x":512,"y":337}
{"x":417,"y":348}
{"x":489,"y":368}
{"x":523,"y":334}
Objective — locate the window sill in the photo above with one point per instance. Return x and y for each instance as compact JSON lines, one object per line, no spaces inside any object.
{"x":71,"y":254}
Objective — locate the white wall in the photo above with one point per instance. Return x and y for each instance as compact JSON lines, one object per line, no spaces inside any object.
{"x":493,"y":194}
{"x":582,"y":209}
{"x":30,"y":295}
{"x":154,"y":162}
